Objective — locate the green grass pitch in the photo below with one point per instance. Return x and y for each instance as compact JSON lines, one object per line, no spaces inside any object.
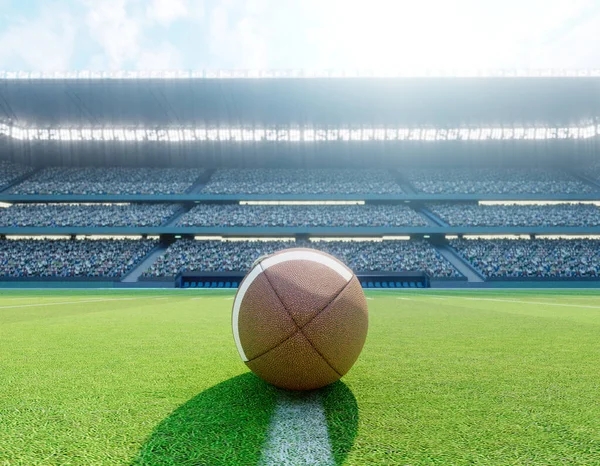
{"x":154,"y":378}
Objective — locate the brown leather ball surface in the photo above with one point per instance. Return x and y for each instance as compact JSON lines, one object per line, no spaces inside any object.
{"x":300,"y":319}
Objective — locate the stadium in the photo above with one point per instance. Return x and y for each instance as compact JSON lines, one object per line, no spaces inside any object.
{"x":133,"y":205}
{"x":444,"y":163}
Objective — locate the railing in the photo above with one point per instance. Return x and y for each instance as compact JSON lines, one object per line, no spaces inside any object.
{"x":196,"y":197}
{"x":299,"y":231}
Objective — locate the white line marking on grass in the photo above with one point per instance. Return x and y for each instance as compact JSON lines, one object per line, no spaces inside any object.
{"x":371,"y":299}
{"x":575,"y":297}
{"x":229,"y":299}
{"x":539,"y":303}
{"x":298,"y":432}
{"x":6,"y":298}
{"x":69,"y":302}
{"x":46,"y":299}
{"x":406,"y":299}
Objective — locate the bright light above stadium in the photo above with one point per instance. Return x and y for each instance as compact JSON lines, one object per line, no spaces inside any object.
{"x":302,"y":203}
{"x":536,"y":203}
{"x":584,"y":131}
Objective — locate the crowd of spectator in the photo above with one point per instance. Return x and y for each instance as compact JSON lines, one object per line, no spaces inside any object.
{"x":361,"y":256}
{"x":86,"y":215}
{"x":9,"y":172}
{"x":71,"y":258}
{"x":99,"y":181}
{"x":156,"y":181}
{"x":592,"y":171}
{"x":235,"y":215}
{"x":187,"y":255}
{"x":495,"y":181}
{"x":497,"y":258}
{"x":542,"y":258}
{"x":302,"y":181}
{"x":561,"y":215}
{"x":389,"y":256}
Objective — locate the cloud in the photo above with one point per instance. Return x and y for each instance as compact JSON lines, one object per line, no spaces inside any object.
{"x":126,"y":32}
{"x":219,"y":40}
{"x":166,"y":12}
{"x":573,"y":47}
{"x":252,"y":44}
{"x":256,"y":7}
{"x":437,"y":34}
{"x":237,"y":36}
{"x":44,"y":43}
{"x":115,"y":30}
{"x":398,"y":34}
{"x":164,"y":57}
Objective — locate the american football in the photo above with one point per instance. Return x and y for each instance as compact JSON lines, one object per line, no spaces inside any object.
{"x":300,"y":319}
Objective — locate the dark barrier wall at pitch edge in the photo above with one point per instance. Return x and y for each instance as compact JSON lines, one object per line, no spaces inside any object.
{"x":209,"y":279}
{"x":379,"y":280}
{"x":375,"y":280}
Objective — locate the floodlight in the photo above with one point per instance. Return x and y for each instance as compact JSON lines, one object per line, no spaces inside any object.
{"x":415,"y":135}
{"x":368,"y":134}
{"x":236,"y":134}
{"x":271,"y":135}
{"x":403,"y":134}
{"x":429,"y":135}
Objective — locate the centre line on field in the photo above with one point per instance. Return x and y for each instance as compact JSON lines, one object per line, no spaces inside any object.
{"x":68,"y":302}
{"x":298,"y":432}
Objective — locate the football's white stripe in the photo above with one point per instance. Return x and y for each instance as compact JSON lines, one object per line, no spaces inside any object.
{"x":307,"y":256}
{"x":298,"y":432}
{"x":239,"y":297}
{"x":270,"y":262}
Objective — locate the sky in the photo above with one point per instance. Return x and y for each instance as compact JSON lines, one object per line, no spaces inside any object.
{"x":61,"y":35}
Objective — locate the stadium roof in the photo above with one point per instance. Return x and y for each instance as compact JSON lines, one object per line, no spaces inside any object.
{"x":38,"y":101}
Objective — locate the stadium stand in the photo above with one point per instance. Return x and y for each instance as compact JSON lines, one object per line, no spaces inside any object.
{"x":233,"y":215}
{"x":216,"y":256}
{"x":389,"y":256}
{"x":302,"y":181}
{"x":382,"y":154}
{"x":562,"y":215}
{"x":541,"y":258}
{"x":71,"y":258}
{"x":495,"y":181}
{"x":95,"y":181}
{"x":91,"y":215}
{"x":591,"y":172}
{"x":10,"y":172}
{"x":188,"y":255}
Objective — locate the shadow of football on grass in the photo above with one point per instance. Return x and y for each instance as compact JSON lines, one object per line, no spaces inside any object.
{"x":229,"y":423}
